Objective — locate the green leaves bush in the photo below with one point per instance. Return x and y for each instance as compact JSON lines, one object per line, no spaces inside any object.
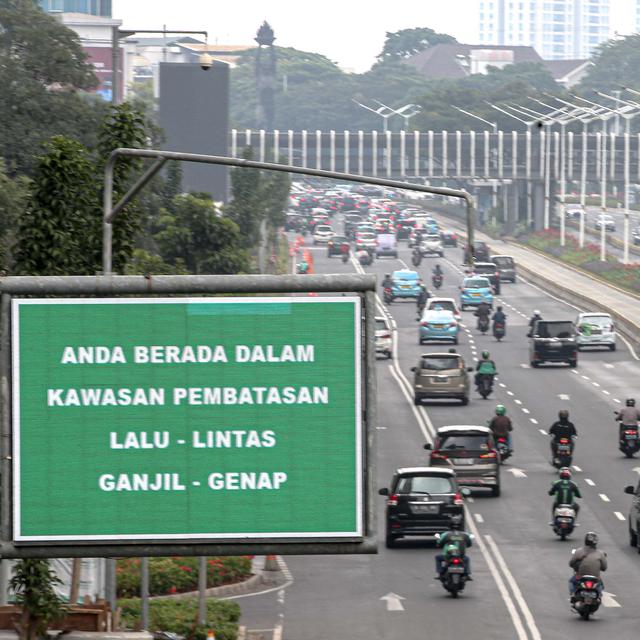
{"x":181,"y":616}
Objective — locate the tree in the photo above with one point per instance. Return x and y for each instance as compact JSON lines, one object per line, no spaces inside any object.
{"x":13,"y":202}
{"x":33,"y":584}
{"x":616,"y":64}
{"x":405,"y":43}
{"x":172,"y":185}
{"x":275,"y":199}
{"x":60,"y":214}
{"x":196,"y":237}
{"x":42,"y":66}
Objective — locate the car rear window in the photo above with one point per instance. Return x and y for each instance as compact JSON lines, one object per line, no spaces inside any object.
{"x":554,"y":329}
{"x":440,"y":363}
{"x":503,"y":261}
{"x":476,"y":283}
{"x":484,"y":268}
{"x":445,"y":305}
{"x":600,"y":321}
{"x":381,"y":325}
{"x":323,"y":227}
{"x":424,"y":484}
{"x":469,"y":442}
{"x":432,"y":238}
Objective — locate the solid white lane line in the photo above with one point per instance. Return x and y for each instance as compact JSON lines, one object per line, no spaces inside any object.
{"x":409,"y":399}
{"x":618,"y":515}
{"x":479,"y":518}
{"x":533,"y":420}
{"x":590,"y":482}
{"x":506,"y":597}
{"x":604,"y":497}
{"x":535,"y":634}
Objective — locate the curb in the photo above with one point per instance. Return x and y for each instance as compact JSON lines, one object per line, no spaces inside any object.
{"x":237,"y":588}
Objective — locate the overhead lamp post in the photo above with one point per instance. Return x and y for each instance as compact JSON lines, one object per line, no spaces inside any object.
{"x":118,"y":34}
{"x":383,"y":111}
{"x":407,"y":111}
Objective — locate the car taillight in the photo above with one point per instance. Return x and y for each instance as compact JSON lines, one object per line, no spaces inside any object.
{"x":564,"y":440}
{"x":502,"y":439}
{"x":588,"y":584}
{"x":491,"y":454}
{"x":439,"y":456}
{"x":424,"y":324}
{"x":393,"y":500}
{"x":457,"y":500}
{"x":631,"y":431}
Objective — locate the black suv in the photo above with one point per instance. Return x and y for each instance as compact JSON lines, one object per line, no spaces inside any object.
{"x":634,"y":516}
{"x":334,"y":246}
{"x":421,"y":502}
{"x":480,"y":252}
{"x":553,"y":341}
{"x":489,"y":270}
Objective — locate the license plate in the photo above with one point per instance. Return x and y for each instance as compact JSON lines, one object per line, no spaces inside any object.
{"x":405,"y":286}
{"x":589,"y":594}
{"x":463,"y":461}
{"x":455,"y":569}
{"x":437,"y":326}
{"x":475,"y":295}
{"x":631,"y":436}
{"x":425,"y":508}
{"x":554,"y":346}
{"x":442,"y":379}
{"x":563,"y":449}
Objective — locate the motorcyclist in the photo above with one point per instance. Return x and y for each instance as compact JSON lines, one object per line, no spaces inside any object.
{"x":485,"y":367}
{"x":628,"y":417}
{"x":416,"y":256}
{"x":561,"y":428}
{"x":565,"y":491}
{"x":423,"y":296}
{"x":534,"y":318}
{"x":501,"y":425}
{"x":588,"y":561}
{"x":499,"y":317}
{"x":437,"y":271}
{"x":387,"y":282}
{"x":303,"y":266}
{"x":455,"y":541}
{"x":345,"y":250}
{"x":483,"y":313}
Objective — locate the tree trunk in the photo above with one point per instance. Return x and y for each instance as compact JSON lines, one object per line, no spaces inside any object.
{"x":75,"y":581}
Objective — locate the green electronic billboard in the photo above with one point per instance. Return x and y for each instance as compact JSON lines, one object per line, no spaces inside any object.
{"x":187,"y":419}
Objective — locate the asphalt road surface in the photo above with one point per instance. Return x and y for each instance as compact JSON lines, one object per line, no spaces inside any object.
{"x":520,"y":567}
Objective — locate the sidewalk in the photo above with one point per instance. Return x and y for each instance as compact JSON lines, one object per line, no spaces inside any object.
{"x":574,"y":286}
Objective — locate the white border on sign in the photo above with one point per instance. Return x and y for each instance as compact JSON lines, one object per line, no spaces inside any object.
{"x":16,"y":303}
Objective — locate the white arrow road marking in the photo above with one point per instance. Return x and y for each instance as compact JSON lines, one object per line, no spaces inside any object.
{"x":517,"y":473}
{"x":393,"y":602}
{"x":608,"y":599}
{"x":564,"y":396}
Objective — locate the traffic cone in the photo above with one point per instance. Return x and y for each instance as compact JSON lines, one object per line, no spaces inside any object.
{"x":271,"y":563}
{"x":211,"y":635}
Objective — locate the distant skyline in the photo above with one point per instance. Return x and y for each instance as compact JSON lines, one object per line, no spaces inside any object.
{"x":349,"y":32}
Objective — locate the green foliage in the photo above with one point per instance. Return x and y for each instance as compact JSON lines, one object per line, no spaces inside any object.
{"x":179,"y":574}
{"x":180,"y":616}
{"x":407,"y":42}
{"x":33,"y":584}
{"x":616,"y":64}
{"x":42,"y":65}
{"x":145,"y":263}
{"x":13,"y":202}
{"x":197,"y":237}
{"x":55,"y":233}
{"x":172,"y":185}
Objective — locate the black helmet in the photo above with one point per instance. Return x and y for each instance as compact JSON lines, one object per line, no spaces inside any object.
{"x":591,"y":539}
{"x":563,"y":414}
{"x":499,"y":308}
{"x":631,"y":402}
{"x":456,"y":521}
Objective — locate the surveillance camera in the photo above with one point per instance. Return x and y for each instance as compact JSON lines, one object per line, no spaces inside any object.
{"x":205,"y":62}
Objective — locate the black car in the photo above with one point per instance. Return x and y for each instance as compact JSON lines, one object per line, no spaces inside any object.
{"x":351,"y":221}
{"x":553,"y":341}
{"x":334,"y":246}
{"x":634,"y":516}
{"x":421,"y":502}
{"x":449,"y":238}
{"x":403,"y":228}
{"x":480,"y":252}
{"x":488,"y":270}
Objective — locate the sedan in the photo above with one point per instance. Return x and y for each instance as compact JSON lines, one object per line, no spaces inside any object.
{"x":322,"y":234}
{"x":635,"y":234}
{"x":608,"y":222}
{"x":334,"y":246}
{"x":438,"y":325}
{"x":449,"y":238}
{"x":431,"y":245}
{"x":475,"y":290}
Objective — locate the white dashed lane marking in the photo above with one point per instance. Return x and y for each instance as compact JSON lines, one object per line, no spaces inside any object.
{"x":604,"y":497}
{"x":576,"y":468}
{"x":533,"y":420}
{"x":478,"y":517}
{"x":543,"y":432}
{"x":618,"y":515}
{"x":590,"y":482}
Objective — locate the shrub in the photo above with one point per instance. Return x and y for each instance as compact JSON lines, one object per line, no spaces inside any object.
{"x":181,"y":616}
{"x":179,"y":574}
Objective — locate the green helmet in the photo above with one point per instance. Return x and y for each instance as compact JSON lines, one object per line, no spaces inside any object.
{"x":501,"y":410}
{"x":485,"y":355}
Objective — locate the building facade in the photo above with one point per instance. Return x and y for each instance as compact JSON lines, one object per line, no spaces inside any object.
{"x":557,"y":29}
{"x":91,"y":7}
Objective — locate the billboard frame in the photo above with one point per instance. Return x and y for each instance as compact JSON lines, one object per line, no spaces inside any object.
{"x":150,"y":287}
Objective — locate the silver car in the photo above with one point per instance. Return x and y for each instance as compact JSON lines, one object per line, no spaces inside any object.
{"x":595,"y":330}
{"x":384,"y":344}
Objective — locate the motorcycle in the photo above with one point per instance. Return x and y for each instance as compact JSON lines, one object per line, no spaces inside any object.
{"x":364,"y":258}
{"x":345,"y":257}
{"x":564,"y":520}
{"x":485,"y":385}
{"x":387,"y":295}
{"x":629,"y":441}
{"x":302,"y":268}
{"x":587,"y":598}
{"x":499,"y":330}
{"x":563,"y":453}
{"x":454,"y":574}
{"x":436,"y":280}
{"x":502,"y":446}
{"x":416,"y":258}
{"x":483,"y":324}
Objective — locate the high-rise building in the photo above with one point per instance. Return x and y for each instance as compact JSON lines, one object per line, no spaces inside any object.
{"x":557,"y":29}
{"x":92,"y":7}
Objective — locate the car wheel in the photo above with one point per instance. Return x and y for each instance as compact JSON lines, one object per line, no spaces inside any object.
{"x":495,"y":491}
{"x":455,"y":341}
{"x":534,"y":364}
{"x":390,"y":541}
{"x":573,"y":363}
{"x":464,"y":401}
{"x":612,"y":347}
{"x":420,"y":341}
{"x":417,"y":400}
{"x":389,"y":354}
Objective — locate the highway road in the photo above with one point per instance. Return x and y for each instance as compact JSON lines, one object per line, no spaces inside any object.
{"x":520,"y":567}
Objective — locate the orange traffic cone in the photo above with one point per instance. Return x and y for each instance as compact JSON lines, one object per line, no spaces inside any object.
{"x":211,"y":635}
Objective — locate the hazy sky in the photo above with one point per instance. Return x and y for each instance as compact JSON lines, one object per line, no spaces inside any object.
{"x":349,"y":32}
